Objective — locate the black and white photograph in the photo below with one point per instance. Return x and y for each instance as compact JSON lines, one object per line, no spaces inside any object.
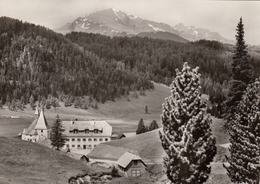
{"x":129,"y":92}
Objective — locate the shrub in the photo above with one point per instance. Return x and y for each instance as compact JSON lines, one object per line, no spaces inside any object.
{"x":114,"y":172}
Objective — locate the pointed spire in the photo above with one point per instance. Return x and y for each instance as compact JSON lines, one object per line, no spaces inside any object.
{"x":41,"y":123}
{"x":36,"y":112}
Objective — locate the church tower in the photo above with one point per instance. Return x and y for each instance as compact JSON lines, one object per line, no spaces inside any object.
{"x":42,"y":126}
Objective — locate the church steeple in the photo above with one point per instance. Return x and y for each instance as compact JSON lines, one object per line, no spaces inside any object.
{"x":36,"y":112}
{"x":41,"y":123}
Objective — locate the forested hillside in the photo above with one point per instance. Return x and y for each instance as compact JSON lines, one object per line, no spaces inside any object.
{"x":158,"y":59}
{"x":36,"y":63}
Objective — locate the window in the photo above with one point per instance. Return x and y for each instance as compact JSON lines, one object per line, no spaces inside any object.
{"x":95,"y":131}
{"x":84,"y":147}
{"x":95,"y":146}
{"x":100,"y":139}
{"x":78,"y":146}
{"x":72,"y":140}
{"x":41,"y":131}
{"x":78,"y":140}
{"x":90,"y":139}
{"x":84,"y":139}
{"x":68,"y":145}
{"x":135,"y":162}
{"x":73,"y":146}
{"x":106,"y":139}
{"x":95,"y":139}
{"x":135,"y":173}
{"x":67,"y":139}
{"x":76,"y":131}
{"x":89,"y":146}
{"x":86,"y":131}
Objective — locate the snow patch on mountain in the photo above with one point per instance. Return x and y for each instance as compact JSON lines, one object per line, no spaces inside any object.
{"x":132,"y":16}
{"x":156,"y":28}
{"x":117,"y":11}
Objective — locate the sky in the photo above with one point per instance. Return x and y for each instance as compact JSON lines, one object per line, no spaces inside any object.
{"x":219,"y":16}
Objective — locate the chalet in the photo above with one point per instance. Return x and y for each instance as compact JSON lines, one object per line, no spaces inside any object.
{"x":39,"y":128}
{"x":131,"y":165}
{"x":85,"y":135}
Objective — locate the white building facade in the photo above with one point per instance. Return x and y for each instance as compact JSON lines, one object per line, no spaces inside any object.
{"x":86,"y":135}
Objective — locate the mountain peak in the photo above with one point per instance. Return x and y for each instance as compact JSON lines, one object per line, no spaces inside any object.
{"x":113,"y":22}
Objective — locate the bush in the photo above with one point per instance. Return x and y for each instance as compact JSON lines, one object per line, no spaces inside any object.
{"x":114,"y":172}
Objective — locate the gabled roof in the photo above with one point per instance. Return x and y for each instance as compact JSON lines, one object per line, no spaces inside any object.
{"x":41,"y":123}
{"x":107,"y":152}
{"x":104,"y":128}
{"x":129,"y":134}
{"x":127,"y":158}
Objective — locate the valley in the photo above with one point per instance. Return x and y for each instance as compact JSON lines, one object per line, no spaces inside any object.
{"x":123,"y":115}
{"x":102,"y":77}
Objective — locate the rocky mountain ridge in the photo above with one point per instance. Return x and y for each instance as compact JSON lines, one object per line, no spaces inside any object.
{"x":112,"y":22}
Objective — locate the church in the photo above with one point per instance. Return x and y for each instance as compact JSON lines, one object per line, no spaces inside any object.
{"x":39,"y":128}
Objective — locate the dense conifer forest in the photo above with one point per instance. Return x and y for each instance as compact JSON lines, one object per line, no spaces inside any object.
{"x":37,"y":64}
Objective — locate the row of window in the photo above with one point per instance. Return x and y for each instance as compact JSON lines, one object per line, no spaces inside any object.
{"x":75,"y":131}
{"x":89,"y":139}
{"x":79,"y":146}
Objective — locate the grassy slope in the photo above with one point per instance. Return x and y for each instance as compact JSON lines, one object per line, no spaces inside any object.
{"x":147,"y":144}
{"x":30,"y":163}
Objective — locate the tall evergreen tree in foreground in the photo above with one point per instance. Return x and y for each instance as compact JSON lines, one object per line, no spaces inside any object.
{"x":58,"y":139}
{"x":244,"y":130}
{"x":241,"y":72}
{"x":187,"y":138}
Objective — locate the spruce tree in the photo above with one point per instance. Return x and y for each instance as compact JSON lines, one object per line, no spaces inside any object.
{"x":241,"y":72}
{"x":58,"y":139}
{"x":141,"y":127}
{"x":244,"y":130}
{"x":187,"y":138}
{"x":153,"y":125}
